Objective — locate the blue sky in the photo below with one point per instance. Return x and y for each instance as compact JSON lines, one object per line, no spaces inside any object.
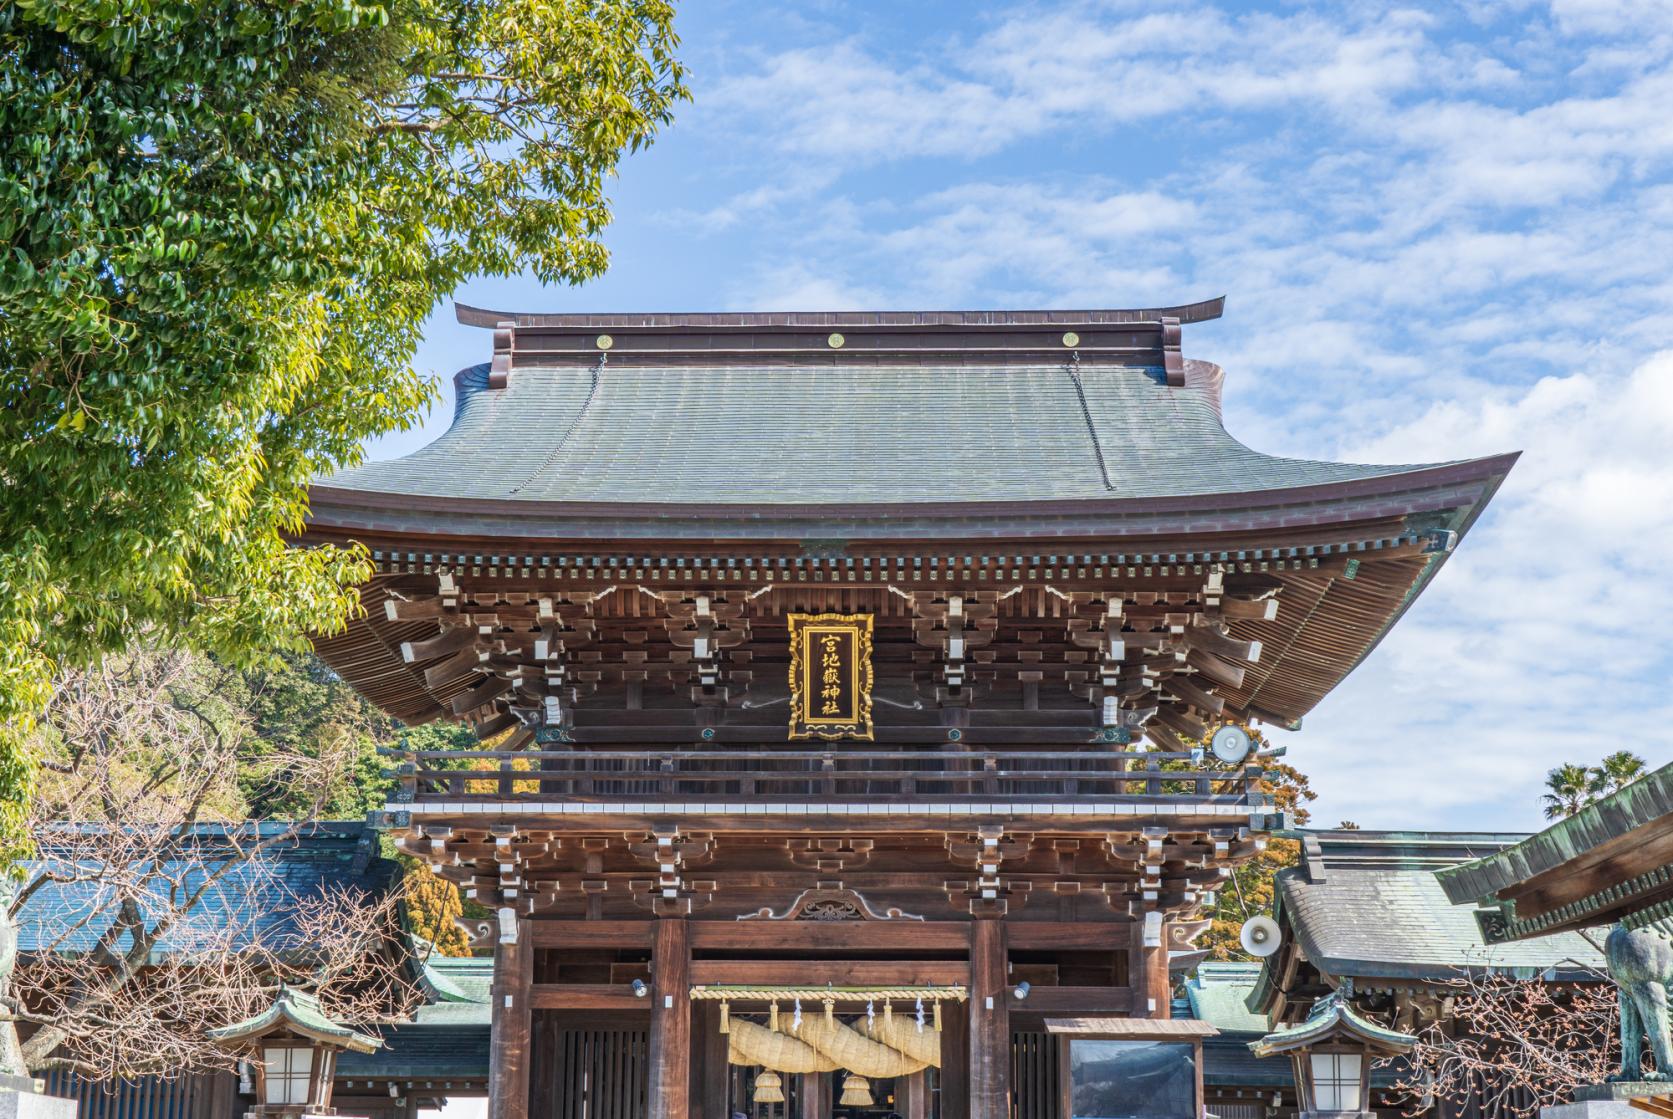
{"x":1442,"y":232}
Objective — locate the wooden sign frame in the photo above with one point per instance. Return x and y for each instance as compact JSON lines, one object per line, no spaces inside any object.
{"x":852,"y":634}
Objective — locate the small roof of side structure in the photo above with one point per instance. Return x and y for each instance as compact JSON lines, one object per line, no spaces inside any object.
{"x":1368,"y":906}
{"x":1608,"y":862}
{"x":297,"y":1012}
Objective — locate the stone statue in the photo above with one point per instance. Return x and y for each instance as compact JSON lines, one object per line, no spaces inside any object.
{"x":1641,"y":964}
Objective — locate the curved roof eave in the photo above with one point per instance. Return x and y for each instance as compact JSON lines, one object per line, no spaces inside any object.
{"x":1491,"y":469}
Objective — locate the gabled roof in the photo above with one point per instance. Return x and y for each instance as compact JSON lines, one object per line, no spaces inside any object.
{"x":297,"y":1012}
{"x":1368,"y":905}
{"x":1607,"y":862}
{"x":622,"y":451}
{"x":1334,"y":1017}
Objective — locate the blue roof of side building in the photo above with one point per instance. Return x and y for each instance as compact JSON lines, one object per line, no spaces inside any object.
{"x":258,"y":899}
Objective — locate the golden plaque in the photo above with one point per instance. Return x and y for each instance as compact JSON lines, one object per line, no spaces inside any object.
{"x":830,"y":676}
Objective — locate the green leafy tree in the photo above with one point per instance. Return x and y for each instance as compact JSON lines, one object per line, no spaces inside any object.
{"x":300,"y":707}
{"x":222,"y":224}
{"x":1571,"y":787}
{"x":1249,"y":891}
{"x":1568,"y":790}
{"x":1616,"y":772}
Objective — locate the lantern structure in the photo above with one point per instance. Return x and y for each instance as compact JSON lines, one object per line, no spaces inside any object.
{"x":1332,"y":1051}
{"x":293,"y":1047}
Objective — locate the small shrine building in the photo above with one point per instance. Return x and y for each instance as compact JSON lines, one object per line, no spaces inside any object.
{"x":846,"y":676}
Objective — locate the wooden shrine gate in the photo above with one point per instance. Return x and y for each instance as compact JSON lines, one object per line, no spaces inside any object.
{"x":574,"y":1037}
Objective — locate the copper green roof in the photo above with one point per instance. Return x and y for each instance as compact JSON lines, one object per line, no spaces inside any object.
{"x":1334,"y":1017}
{"x":914,"y":411}
{"x":299,"y":1012}
{"x":1611,"y":822}
{"x":787,"y":436}
{"x":449,"y":1034}
{"x":1219,"y":993}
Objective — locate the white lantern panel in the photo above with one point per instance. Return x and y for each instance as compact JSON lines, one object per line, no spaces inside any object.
{"x":1335,"y":1081}
{"x":289,"y":1070}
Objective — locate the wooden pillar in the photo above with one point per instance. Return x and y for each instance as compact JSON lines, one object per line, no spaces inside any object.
{"x":1147,"y":969}
{"x":912,"y":1096}
{"x":713,"y":1073}
{"x":509,"y":1034}
{"x":990,"y":1023}
{"x":670,"y":1073}
{"x":808,"y":1095}
{"x":954,"y":1075}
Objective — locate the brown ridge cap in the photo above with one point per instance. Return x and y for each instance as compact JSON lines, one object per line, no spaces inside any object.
{"x":1464,"y":470}
{"x":1202,"y":311}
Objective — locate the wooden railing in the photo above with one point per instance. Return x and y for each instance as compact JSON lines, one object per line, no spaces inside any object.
{"x":934,"y":776}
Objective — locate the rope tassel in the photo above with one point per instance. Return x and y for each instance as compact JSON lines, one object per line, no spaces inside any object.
{"x":725,"y":1017}
{"x":772,"y":1017}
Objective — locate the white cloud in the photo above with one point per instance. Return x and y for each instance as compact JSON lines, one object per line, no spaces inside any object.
{"x":1539,"y":642}
{"x":1437,"y":242}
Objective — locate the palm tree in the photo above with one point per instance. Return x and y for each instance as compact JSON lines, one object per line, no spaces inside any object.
{"x":1616,"y":772}
{"x":1570,"y":787}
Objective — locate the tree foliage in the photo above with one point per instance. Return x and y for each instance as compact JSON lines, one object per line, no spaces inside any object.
{"x":151,"y":764}
{"x":1571,"y":787}
{"x":1250,"y":891}
{"x":222,"y":224}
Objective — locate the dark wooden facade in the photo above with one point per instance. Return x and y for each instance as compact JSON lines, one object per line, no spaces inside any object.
{"x":1070,"y":571}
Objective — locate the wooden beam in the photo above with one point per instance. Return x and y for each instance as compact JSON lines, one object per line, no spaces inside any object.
{"x":1077,"y":1000}
{"x":954,"y":1077}
{"x":585,"y":996}
{"x":590,"y":934}
{"x":1147,"y":969}
{"x":1033,"y":937}
{"x":990,"y":1023}
{"x":670,"y":1042}
{"x":825,"y":936}
{"x":842,"y":973}
{"x":808,"y":1096}
{"x":509,"y":1033}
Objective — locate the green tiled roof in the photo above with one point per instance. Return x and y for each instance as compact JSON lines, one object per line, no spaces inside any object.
{"x":1642,"y":802}
{"x":1369,"y":904}
{"x":1333,"y":1016}
{"x":448,"y":1035}
{"x":1218,"y":993}
{"x":300,"y":1012}
{"x":788,"y":435}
